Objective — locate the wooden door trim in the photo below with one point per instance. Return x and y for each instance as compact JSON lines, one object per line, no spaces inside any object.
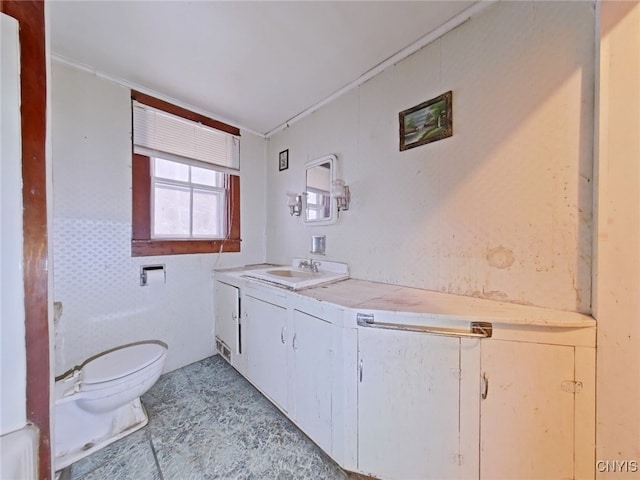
{"x":33,"y":86}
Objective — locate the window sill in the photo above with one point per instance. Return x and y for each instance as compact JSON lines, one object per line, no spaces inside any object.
{"x":147,"y":248}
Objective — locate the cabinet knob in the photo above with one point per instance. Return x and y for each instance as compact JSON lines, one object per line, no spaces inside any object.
{"x":361,"y":369}
{"x":282,"y":332}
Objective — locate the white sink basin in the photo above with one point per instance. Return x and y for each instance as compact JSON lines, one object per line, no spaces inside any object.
{"x":289,"y":273}
{"x":296,"y":278}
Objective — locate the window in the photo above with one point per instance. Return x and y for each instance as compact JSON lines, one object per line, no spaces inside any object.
{"x":186,"y":197}
{"x":187,"y":201}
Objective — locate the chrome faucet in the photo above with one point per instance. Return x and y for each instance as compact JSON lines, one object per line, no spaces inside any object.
{"x":309,"y":265}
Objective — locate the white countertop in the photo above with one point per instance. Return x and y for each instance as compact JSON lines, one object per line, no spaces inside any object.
{"x":362,"y":295}
{"x":365,"y":295}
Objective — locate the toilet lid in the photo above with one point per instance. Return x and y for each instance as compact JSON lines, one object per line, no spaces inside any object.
{"x":121,"y":362}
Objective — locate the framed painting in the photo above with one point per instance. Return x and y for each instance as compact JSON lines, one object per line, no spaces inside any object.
{"x":427,"y":122}
{"x":283,"y":160}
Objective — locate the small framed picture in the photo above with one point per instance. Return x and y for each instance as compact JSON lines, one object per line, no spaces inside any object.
{"x":426,"y":123}
{"x":283,"y":160}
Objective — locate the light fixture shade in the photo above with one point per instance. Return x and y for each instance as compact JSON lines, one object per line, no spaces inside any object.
{"x":337,"y":188}
{"x":341,"y":193}
{"x":292,"y":199}
{"x":294,"y":202}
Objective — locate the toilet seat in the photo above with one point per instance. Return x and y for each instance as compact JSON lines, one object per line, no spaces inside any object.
{"x":99,"y":402}
{"x":121,"y":362}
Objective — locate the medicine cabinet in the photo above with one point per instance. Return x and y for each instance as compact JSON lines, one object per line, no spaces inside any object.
{"x":319,"y":209}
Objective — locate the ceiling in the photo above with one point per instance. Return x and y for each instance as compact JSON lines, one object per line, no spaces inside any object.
{"x":255,"y":65}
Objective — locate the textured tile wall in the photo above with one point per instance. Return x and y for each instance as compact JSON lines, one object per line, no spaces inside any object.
{"x":94,"y":276}
{"x":503,"y":208}
{"x":104,"y":305}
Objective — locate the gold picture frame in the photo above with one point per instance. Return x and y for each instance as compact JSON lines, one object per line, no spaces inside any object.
{"x":427,"y":122}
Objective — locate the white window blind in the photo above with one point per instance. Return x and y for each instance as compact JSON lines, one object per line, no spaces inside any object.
{"x":158,"y":131}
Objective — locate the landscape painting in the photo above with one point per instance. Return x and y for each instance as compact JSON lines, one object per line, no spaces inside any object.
{"x":427,"y":122}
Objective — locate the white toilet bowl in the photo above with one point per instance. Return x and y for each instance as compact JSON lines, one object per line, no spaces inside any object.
{"x":99,"y":402}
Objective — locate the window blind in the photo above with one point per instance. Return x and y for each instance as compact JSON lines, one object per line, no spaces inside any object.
{"x":160,"y":131}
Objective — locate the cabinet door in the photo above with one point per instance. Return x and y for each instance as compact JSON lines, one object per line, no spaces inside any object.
{"x":527,"y":426}
{"x":312,"y":378}
{"x":408,"y":404}
{"x":265,"y":339}
{"x":227,"y":308}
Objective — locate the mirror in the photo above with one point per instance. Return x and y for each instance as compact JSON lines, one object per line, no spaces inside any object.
{"x":319,"y":209}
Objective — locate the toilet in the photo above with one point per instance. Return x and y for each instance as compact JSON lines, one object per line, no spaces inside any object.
{"x":99,"y":402}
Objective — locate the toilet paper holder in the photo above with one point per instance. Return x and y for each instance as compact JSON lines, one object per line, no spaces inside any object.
{"x":145,"y":270}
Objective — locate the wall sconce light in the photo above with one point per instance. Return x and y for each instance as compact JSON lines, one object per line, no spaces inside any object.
{"x":341,"y":193}
{"x":294,"y":202}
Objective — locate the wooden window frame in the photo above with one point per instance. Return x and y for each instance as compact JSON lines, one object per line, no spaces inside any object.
{"x":142,"y":244}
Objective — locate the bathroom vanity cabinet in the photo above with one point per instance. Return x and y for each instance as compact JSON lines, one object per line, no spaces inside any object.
{"x":266,"y":343}
{"x":526,"y":396}
{"x":312,"y":377}
{"x":393,"y":403}
{"x":227,"y":319}
{"x":408,"y":404}
{"x":291,"y":352}
{"x":504,"y":408}
{"x":537,"y":403}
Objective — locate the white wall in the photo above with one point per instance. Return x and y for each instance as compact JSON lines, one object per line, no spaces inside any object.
{"x":617,"y":265}
{"x":95,"y":277}
{"x":13,"y":415}
{"x":502,"y":209}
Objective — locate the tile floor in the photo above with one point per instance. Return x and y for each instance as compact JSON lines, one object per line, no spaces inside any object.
{"x":207,"y":422}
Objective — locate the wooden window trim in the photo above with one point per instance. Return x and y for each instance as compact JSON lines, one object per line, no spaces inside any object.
{"x":141,"y":242}
{"x":143,"y":245}
{"x":183,"y":112}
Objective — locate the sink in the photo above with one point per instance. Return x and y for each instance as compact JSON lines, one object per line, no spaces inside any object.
{"x":289,"y":273}
{"x":295,"y":278}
